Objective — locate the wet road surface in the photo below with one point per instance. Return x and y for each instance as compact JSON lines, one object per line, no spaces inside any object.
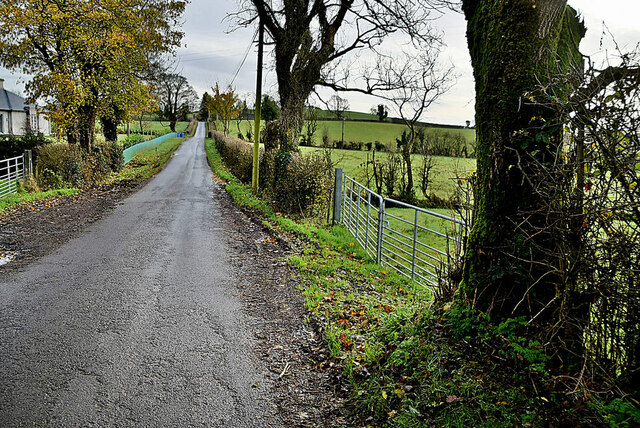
{"x":135,"y":322}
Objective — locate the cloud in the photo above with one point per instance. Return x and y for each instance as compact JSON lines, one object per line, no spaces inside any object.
{"x":210,"y":52}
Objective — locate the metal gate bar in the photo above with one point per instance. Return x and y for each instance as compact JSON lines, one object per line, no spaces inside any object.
{"x":11,"y":170}
{"x":395,"y":241}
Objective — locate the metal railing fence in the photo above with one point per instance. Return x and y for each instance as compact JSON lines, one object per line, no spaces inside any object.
{"x":420,"y":244}
{"x":11,"y":170}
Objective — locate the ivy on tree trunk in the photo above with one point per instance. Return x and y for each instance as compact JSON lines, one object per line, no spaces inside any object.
{"x":515,"y":45}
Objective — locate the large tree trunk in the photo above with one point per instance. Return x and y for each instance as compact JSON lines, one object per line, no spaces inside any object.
{"x":294,"y":87}
{"x":515,"y":45}
{"x":86,"y":127}
{"x":109,"y":129}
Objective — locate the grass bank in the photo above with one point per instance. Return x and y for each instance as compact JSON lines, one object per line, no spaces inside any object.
{"x":407,"y":362}
{"x":148,"y":162}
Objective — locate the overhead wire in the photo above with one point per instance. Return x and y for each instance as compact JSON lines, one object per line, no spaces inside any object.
{"x":246,"y":53}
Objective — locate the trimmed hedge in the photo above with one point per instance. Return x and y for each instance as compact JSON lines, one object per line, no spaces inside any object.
{"x":237,"y":155}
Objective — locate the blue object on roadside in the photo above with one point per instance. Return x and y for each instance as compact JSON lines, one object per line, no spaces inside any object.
{"x":146,"y":145}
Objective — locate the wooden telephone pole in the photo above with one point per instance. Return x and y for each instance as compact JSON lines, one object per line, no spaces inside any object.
{"x":257,"y":112}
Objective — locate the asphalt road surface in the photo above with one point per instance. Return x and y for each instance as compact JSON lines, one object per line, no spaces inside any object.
{"x":135,"y":322}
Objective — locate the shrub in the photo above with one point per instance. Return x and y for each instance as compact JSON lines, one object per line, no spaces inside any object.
{"x":298,"y":184}
{"x":58,"y":165}
{"x":11,"y":145}
{"x":325,"y":137}
{"x":29,"y":185}
{"x":380,"y":147}
{"x":61,"y":165}
{"x":442,"y":143}
{"x":237,"y":155}
{"x":112,"y":151}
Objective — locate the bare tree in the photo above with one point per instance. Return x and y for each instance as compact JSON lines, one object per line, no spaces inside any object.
{"x":418,"y":82}
{"x":310,"y":38}
{"x":593,"y":220}
{"x":338,"y":106}
{"x":175,"y":94}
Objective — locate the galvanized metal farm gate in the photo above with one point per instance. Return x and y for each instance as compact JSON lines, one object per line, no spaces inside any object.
{"x":12,"y":170}
{"x":399,"y":235}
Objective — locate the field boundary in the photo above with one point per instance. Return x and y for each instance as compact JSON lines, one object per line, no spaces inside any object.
{"x":406,"y":246}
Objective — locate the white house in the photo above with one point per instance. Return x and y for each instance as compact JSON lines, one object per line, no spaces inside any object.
{"x":16,"y":115}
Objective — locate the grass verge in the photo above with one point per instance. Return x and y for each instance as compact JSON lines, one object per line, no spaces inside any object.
{"x":409,"y":364}
{"x":17,"y":198}
{"x":148,"y":162}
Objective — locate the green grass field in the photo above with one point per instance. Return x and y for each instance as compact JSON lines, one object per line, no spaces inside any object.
{"x":366,"y":132}
{"x":353,"y":161}
{"x":443,"y":172}
{"x":157,"y":127}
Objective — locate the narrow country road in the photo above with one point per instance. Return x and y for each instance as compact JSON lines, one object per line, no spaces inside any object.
{"x":135,"y":322}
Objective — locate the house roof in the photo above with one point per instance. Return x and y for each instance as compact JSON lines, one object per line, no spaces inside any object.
{"x":11,"y":102}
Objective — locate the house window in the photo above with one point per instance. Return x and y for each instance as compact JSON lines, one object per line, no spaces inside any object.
{"x":1,"y":123}
{"x":34,"y":122}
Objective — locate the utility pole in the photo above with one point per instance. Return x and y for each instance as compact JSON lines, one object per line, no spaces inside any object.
{"x":257,"y":112}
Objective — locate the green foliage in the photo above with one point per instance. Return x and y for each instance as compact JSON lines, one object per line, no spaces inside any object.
{"x":619,"y":413}
{"x":240,"y":193}
{"x":85,"y":58}
{"x":439,"y":142}
{"x":59,"y":165}
{"x":12,"y":145}
{"x":510,"y":333}
{"x":64,"y":165}
{"x":132,"y":140}
{"x":269,"y":109}
{"x":382,"y":112}
{"x":298,"y":184}
{"x":224,"y":105}
{"x":112,"y":152}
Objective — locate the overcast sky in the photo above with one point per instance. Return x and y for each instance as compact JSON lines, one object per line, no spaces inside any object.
{"x":210,"y":53}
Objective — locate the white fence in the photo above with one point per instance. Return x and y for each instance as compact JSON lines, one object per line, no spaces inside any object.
{"x":420,"y":244}
{"x":11,"y":170}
